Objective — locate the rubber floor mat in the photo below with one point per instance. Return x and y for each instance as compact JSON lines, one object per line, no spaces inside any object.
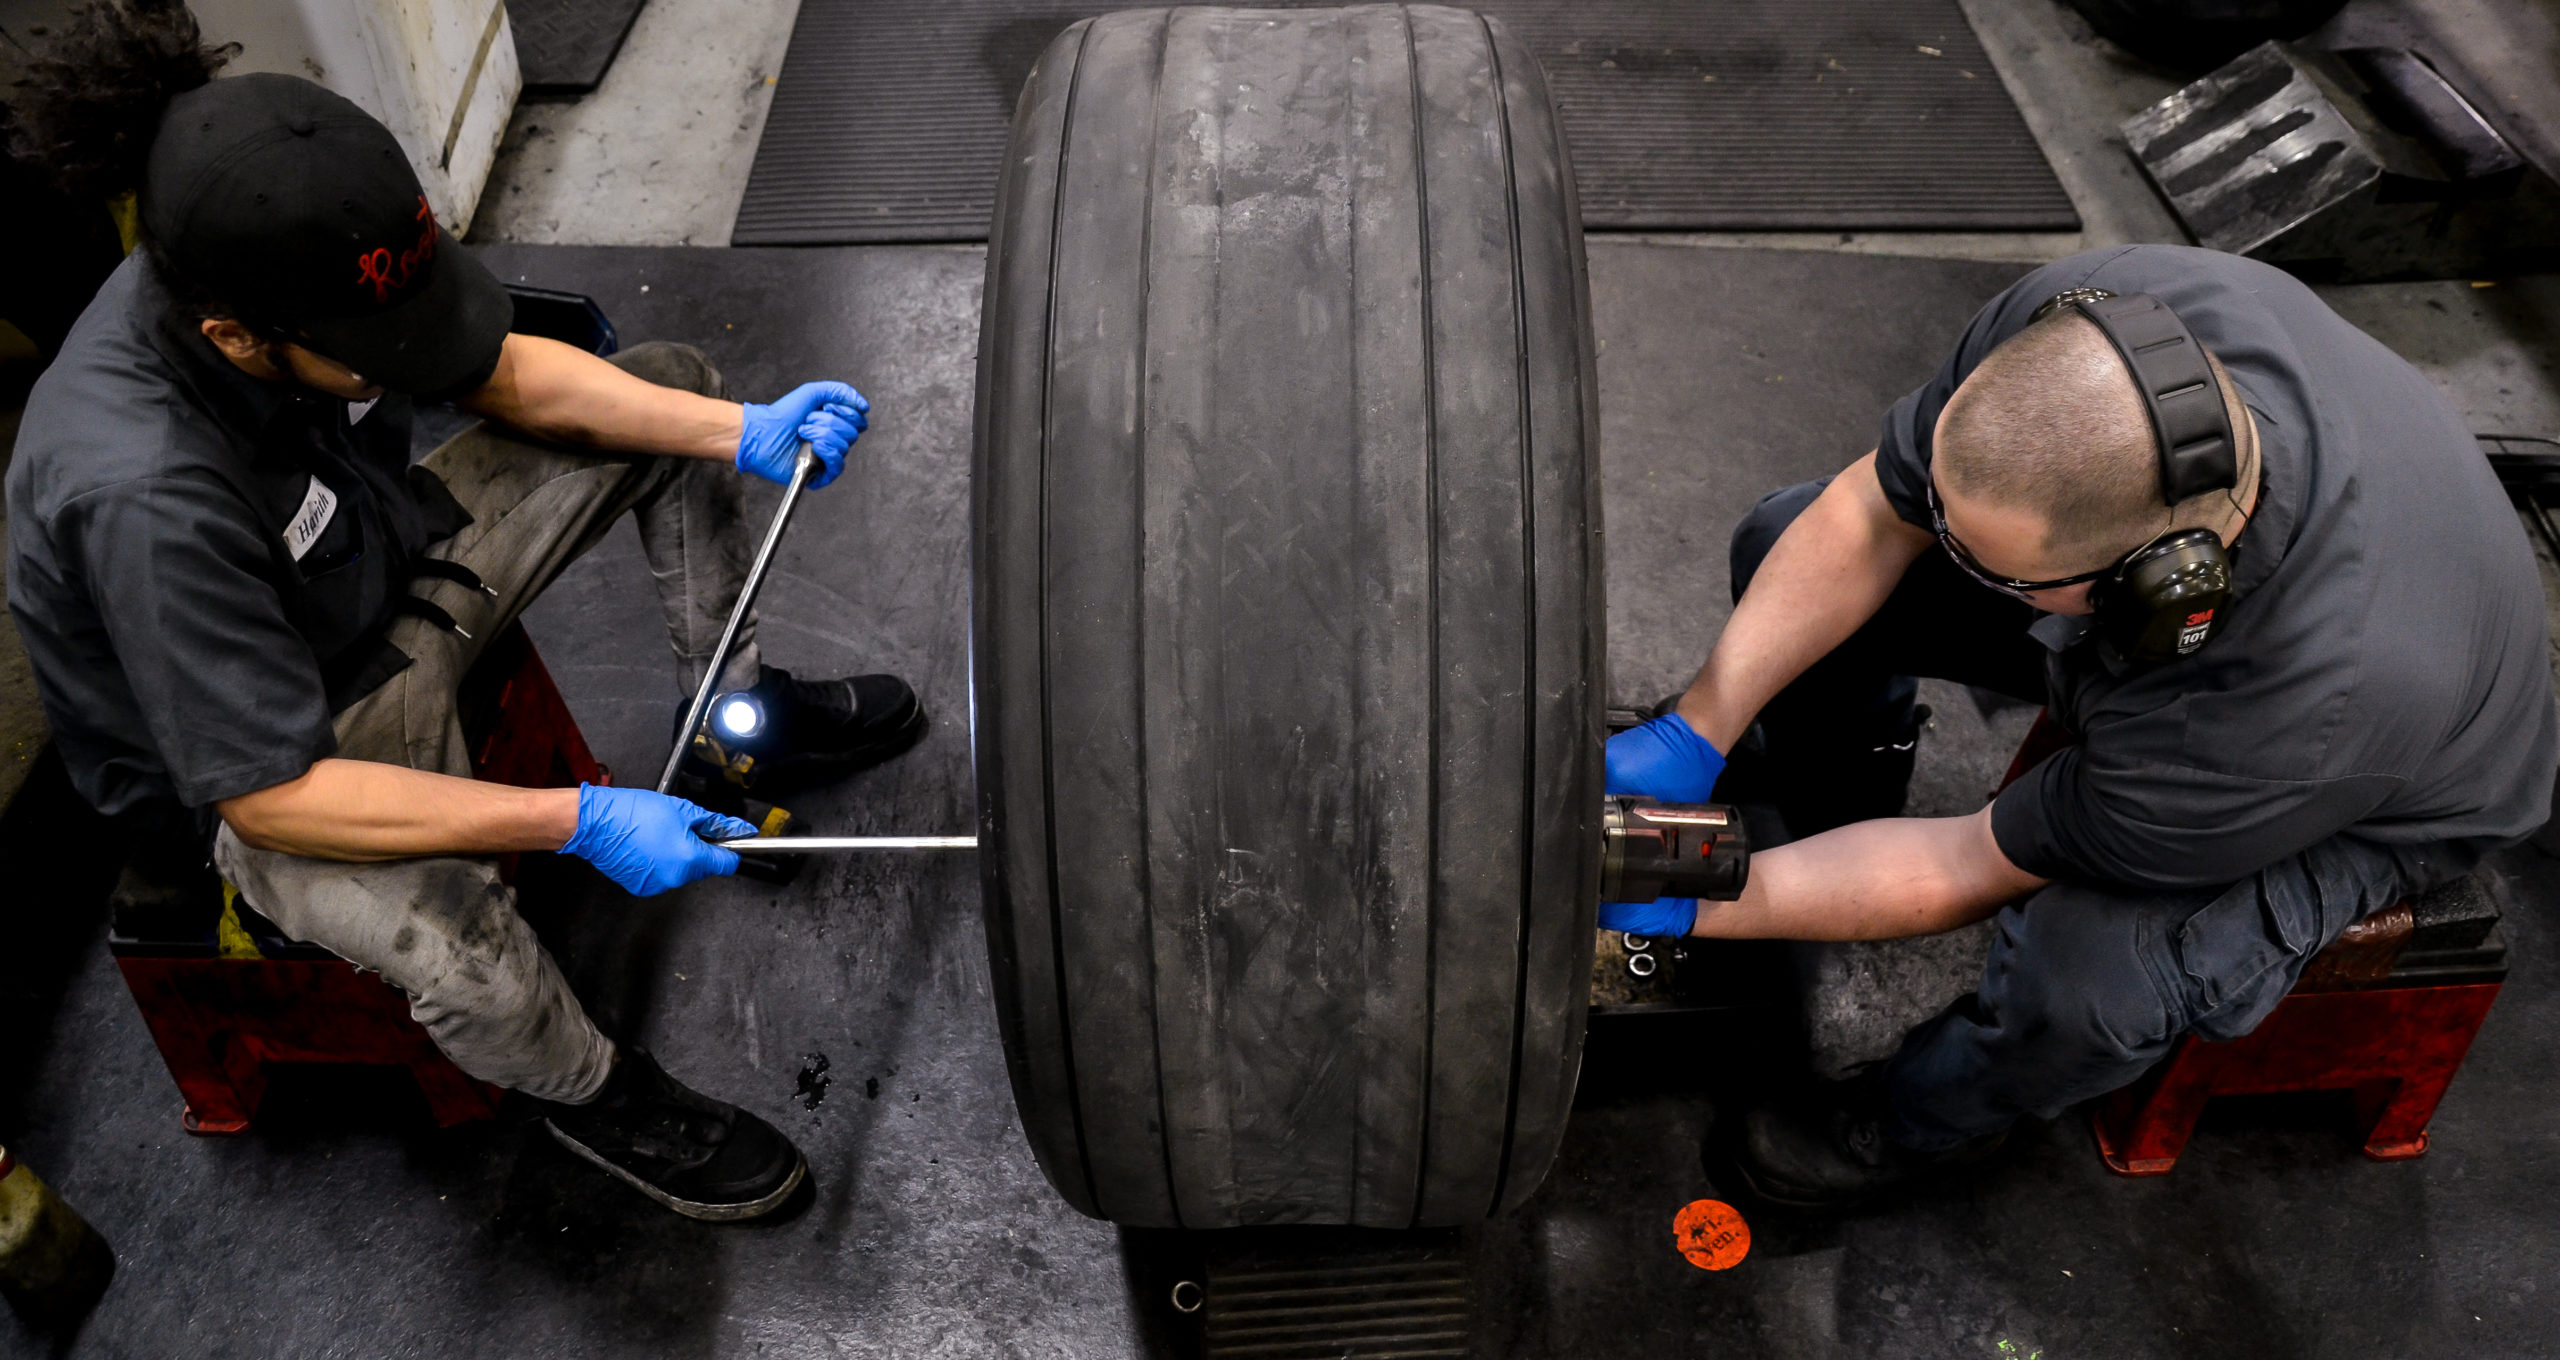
{"x":564,"y":46}
{"x":1684,"y":115}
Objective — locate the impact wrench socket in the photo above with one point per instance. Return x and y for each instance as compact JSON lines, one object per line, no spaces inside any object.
{"x":1651,"y":849}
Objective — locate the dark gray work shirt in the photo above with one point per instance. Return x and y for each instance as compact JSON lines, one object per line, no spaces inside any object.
{"x":200,"y":562}
{"x":2382,"y":671}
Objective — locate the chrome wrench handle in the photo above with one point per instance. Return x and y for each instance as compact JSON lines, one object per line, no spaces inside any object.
{"x":801,"y":469}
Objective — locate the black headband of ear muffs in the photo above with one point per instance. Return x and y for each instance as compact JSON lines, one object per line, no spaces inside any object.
{"x":2188,"y":419}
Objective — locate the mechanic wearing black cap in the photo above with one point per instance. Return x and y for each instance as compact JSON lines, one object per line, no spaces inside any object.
{"x":248,"y":613}
{"x":2256,"y":567}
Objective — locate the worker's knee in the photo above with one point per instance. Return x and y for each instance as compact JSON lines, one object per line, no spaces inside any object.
{"x":485,"y":990}
{"x":2070,"y":1006}
{"x":2079,"y":971}
{"x":462,"y":933}
{"x":437,"y":927}
{"x":671,"y":365}
{"x":1759,"y":530}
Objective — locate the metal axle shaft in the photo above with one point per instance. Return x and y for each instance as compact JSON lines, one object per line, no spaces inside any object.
{"x":821,"y":845}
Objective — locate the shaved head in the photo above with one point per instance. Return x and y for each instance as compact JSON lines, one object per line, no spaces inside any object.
{"x":2050,"y":424}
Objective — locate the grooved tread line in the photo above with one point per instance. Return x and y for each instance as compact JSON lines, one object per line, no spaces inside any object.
{"x":1138,"y":638}
{"x":1048,"y":771}
{"x":1430,"y":614}
{"x":1349,"y":1296}
{"x":1527,"y":428}
{"x":1313,"y":1330}
{"x":1375,"y":1347}
{"x":1432,"y":1270}
{"x":1277,"y":1318}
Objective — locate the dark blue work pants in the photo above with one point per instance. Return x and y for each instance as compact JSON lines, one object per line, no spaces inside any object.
{"x":2085,"y":987}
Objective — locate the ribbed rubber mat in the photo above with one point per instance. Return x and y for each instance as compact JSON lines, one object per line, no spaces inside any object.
{"x":1408,"y":1305}
{"x":564,"y":46}
{"x":1685,"y":115}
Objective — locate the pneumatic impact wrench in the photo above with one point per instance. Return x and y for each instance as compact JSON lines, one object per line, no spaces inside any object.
{"x":1651,"y":849}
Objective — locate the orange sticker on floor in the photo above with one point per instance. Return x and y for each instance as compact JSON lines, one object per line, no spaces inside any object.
{"x":1711,"y":1234}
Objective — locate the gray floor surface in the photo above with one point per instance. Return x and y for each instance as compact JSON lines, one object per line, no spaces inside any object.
{"x":1682,"y":114}
{"x":657,"y":153}
{"x":341,"y":1227}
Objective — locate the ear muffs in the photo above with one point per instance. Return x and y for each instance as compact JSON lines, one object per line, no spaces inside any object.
{"x":2167,"y":599}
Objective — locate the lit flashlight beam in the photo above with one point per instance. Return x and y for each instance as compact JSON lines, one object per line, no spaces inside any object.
{"x":821,"y":845}
{"x":740,"y":717}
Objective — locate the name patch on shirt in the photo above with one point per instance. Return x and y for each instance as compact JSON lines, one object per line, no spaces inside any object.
{"x":319,"y":506}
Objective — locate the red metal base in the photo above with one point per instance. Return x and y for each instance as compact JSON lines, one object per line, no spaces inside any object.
{"x":519,"y":728}
{"x":2396,"y":1048}
{"x":218,"y":1021}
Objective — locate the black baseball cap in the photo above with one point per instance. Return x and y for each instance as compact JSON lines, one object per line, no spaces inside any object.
{"x":300,"y":211}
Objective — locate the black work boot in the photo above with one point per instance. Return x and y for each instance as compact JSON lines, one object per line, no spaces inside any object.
{"x":1826,"y":1147}
{"x":785,"y":736}
{"x":1818,"y":785}
{"x":695,"y":1155}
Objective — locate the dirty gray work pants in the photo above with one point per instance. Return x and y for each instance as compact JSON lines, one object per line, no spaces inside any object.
{"x":2085,"y":988}
{"x":446,"y":931}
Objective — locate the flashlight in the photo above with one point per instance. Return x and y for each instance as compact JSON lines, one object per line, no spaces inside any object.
{"x":735,"y":729}
{"x":739,"y":715}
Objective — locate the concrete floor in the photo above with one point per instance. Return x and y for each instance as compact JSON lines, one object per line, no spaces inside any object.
{"x":341,"y":1227}
{"x":657,"y":155}
{"x":604,"y":171}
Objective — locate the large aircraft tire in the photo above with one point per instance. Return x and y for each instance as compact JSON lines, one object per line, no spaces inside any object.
{"x":1288,"y":617}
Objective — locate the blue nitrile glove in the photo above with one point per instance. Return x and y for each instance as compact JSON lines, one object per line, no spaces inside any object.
{"x":1663,"y":917}
{"x":830,"y":415}
{"x":1664,"y":759}
{"x":649,"y":842}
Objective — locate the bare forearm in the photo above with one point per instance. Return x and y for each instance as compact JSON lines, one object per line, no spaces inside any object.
{"x":361,"y":810}
{"x":1879,"y":880}
{"x":563,"y":393}
{"x":1825,"y":577}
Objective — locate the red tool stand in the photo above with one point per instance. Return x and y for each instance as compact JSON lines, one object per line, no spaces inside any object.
{"x":2386,"y":1012}
{"x":224,"y":993}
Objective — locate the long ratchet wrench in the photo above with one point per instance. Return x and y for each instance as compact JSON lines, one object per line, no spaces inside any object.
{"x":801,"y":468}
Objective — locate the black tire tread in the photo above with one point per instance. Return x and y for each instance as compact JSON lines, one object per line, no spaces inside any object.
{"x":1288,"y":620}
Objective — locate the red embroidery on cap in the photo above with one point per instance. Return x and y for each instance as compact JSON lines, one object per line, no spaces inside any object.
{"x":386,"y":271}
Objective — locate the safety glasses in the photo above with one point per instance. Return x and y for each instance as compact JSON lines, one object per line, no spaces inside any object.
{"x":2006,"y":585}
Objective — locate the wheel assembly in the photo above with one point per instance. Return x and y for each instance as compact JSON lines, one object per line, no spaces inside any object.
{"x":1287,"y":650}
